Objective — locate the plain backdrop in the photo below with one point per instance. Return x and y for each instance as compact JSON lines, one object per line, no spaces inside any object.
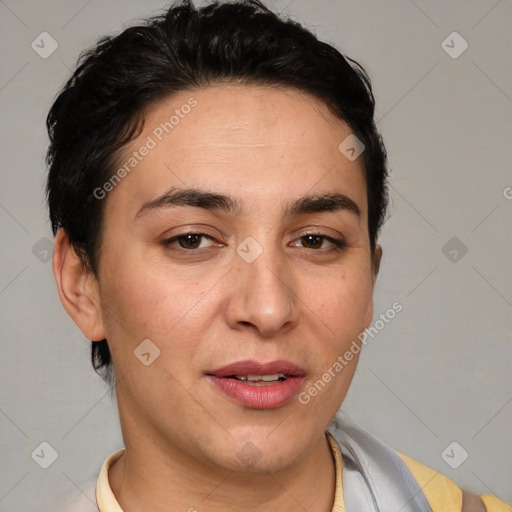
{"x":438,"y":373}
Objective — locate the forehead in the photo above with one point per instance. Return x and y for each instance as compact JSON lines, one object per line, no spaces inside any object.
{"x":250,"y":142}
{"x":236,"y":115}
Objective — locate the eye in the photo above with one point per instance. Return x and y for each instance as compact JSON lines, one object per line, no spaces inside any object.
{"x":187,"y":241}
{"x":317,"y":240}
{"x":191,"y":242}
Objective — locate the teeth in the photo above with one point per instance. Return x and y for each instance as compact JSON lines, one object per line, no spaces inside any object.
{"x":264,"y":378}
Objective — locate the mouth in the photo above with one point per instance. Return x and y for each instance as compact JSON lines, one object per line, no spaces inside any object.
{"x":258,"y":385}
{"x":260,"y":380}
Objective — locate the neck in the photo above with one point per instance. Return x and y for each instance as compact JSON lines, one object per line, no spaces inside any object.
{"x":146,"y":477}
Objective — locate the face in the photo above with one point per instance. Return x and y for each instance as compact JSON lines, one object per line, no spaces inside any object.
{"x":257,"y":280}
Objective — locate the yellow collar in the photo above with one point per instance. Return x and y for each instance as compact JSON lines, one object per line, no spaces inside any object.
{"x":339,"y":502}
{"x":107,"y":501}
{"x":104,"y":496}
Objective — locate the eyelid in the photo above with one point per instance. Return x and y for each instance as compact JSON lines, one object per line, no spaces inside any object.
{"x":337,"y":242}
{"x":336,"y":235}
{"x":169,"y":241}
{"x":198,"y":229}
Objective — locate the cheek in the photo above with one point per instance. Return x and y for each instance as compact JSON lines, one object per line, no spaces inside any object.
{"x":138,"y":303}
{"x":343,"y":303}
{"x":340,"y":312}
{"x":144,"y":297}
{"x":169,"y":306}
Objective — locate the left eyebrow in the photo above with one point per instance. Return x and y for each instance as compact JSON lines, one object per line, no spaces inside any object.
{"x":311,"y":203}
{"x":328,"y":202}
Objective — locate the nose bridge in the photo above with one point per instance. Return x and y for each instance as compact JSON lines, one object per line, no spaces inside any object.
{"x":263,"y":292}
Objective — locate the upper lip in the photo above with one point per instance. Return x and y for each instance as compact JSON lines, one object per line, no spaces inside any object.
{"x":251,"y":367}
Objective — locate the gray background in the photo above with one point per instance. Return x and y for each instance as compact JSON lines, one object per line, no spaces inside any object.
{"x":439,"y":372}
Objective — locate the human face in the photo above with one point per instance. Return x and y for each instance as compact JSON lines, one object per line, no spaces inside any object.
{"x":213,"y":301}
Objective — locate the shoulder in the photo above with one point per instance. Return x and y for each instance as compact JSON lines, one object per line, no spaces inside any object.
{"x":392,"y":476}
{"x":438,"y":488}
{"x":441,"y":492}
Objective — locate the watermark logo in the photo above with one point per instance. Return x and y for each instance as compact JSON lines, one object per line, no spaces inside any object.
{"x":249,"y":454}
{"x":150,"y":143}
{"x":343,"y":360}
{"x":44,"y":455}
{"x":147,"y":352}
{"x":454,"y":455}
{"x":44,"y":45}
{"x":454,"y":45}
{"x":351,"y":147}
{"x":249,"y":249}
{"x":43,"y":249}
{"x":454,"y":249}
{"x":180,"y":113}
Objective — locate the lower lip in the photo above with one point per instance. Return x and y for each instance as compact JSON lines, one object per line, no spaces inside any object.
{"x":262,"y":396}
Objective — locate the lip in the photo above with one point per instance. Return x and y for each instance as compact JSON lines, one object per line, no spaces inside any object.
{"x":264,"y":396}
{"x":251,"y":367}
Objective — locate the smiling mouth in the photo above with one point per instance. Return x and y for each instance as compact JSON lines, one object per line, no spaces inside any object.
{"x":260,"y":380}
{"x":259,"y":385}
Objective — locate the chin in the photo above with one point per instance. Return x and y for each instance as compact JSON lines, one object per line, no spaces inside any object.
{"x":255,"y":462}
{"x":261,"y":454}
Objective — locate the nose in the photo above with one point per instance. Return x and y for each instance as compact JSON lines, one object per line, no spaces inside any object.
{"x":261,"y":294}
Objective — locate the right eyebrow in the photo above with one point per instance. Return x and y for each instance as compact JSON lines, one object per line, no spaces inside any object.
{"x":192,"y":197}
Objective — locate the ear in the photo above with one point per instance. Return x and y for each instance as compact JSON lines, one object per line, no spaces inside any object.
{"x":78,"y":288}
{"x":376,"y":259}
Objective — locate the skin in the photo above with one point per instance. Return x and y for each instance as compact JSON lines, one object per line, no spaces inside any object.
{"x":300,"y":300}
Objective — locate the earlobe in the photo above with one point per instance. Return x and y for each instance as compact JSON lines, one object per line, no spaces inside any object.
{"x":369,"y":315}
{"x":77,"y":288}
{"x":376,"y":260}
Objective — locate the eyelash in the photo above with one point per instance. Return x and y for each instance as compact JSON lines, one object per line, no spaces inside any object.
{"x":338,"y":243}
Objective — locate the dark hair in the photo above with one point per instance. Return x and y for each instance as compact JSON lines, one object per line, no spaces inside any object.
{"x":101,"y":107}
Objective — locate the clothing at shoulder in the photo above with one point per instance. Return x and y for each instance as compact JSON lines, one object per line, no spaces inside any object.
{"x":377,"y":478}
{"x":440,"y":490}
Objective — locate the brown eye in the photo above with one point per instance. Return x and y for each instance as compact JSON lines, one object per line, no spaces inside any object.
{"x":190,"y":241}
{"x":315,"y":242}
{"x":187,"y":241}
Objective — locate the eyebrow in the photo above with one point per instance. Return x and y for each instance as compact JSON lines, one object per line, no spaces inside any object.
{"x":311,"y":203}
